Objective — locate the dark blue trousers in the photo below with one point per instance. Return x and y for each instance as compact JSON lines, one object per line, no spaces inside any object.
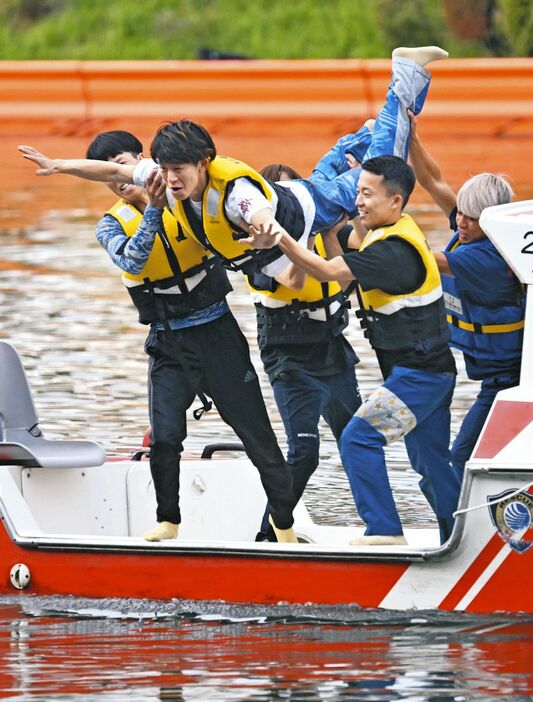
{"x":474,"y":419}
{"x":302,"y":399}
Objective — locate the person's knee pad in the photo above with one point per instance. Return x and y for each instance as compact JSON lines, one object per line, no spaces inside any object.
{"x":358,"y":432}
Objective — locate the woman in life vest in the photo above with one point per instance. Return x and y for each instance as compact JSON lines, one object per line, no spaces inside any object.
{"x":309,"y":362}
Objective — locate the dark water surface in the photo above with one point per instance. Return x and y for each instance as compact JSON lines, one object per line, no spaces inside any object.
{"x":63,"y":306}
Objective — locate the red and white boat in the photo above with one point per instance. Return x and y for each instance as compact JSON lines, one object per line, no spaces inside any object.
{"x":72,"y":521}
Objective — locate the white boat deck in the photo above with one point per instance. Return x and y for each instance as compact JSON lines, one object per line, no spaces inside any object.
{"x":112,"y":505}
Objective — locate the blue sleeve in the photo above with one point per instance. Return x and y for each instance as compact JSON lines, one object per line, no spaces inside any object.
{"x":130,"y":253}
{"x":474,"y":267}
{"x":482,"y":276}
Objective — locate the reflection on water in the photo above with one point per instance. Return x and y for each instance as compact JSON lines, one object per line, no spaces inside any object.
{"x":116,"y":650}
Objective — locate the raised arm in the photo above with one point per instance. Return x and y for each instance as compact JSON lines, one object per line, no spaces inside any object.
{"x":105,"y":171}
{"x":428,"y":173}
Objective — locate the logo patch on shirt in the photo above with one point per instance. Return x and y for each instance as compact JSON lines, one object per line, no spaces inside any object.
{"x":213,"y":199}
{"x":452,"y":303}
{"x":244,"y":205}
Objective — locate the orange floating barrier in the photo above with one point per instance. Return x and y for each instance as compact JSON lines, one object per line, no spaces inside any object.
{"x":479,"y":114}
{"x":487,"y":96}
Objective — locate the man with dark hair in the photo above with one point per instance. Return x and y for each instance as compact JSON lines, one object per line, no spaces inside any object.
{"x":195,"y":345}
{"x":106,"y":146}
{"x":402,"y":313}
{"x":217,"y":200}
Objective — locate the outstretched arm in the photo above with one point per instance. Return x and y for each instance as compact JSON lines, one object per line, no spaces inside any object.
{"x":270,"y":235}
{"x":88,"y":169}
{"x":428,"y":173}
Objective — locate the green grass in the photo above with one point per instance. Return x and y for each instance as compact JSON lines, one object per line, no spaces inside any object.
{"x":177,"y":29}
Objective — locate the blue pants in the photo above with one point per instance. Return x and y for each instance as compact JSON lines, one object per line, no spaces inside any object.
{"x":302,"y":399}
{"x":333,"y":185}
{"x":334,"y":162}
{"x":416,"y":405}
{"x":475,"y":419}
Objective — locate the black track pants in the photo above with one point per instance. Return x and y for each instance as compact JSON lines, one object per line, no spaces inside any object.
{"x":212,"y":358}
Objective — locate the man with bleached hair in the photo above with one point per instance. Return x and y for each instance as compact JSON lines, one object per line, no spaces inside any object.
{"x":485,"y":302}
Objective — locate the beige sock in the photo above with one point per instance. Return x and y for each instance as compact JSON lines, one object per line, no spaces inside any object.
{"x":162,"y":531}
{"x":369,"y":124}
{"x":421,"y":54}
{"x":284,"y":536}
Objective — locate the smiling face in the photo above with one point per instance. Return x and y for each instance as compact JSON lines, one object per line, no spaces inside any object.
{"x":377,"y":207}
{"x":186,"y":180}
{"x":133,"y":194}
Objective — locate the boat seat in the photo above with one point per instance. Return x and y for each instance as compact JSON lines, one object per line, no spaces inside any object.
{"x":22,"y":442}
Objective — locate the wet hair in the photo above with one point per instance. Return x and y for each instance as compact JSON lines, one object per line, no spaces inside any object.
{"x":398,"y":176}
{"x":110,"y":144}
{"x":483,"y":190}
{"x":182,"y":142}
{"x":274,"y":171}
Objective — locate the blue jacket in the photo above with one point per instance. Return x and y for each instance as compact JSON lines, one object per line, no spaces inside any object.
{"x":485,"y":307}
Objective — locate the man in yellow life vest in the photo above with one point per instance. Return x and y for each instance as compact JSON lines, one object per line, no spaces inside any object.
{"x":309,"y":362}
{"x":402,"y":312}
{"x":194,"y":345}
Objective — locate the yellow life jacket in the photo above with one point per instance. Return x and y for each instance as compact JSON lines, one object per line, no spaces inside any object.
{"x":180,"y":276}
{"x":189,"y":253}
{"x":220,"y":235}
{"x":287,"y":316}
{"x":313,"y":291}
{"x":430,"y":290}
{"x":404,"y":321}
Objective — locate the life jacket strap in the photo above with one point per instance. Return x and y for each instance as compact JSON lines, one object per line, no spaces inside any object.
{"x":484,"y":328}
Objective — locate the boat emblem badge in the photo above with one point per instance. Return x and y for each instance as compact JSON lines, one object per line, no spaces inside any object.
{"x":512,"y":515}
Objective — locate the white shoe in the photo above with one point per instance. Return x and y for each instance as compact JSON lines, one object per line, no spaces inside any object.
{"x":376,"y":540}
